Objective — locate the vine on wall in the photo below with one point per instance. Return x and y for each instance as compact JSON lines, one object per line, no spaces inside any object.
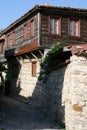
{"x":47,"y":64}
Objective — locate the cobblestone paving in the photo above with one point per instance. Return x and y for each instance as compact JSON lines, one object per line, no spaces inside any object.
{"x":18,"y":116}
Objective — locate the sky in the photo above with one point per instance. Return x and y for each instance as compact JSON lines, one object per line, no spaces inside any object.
{"x":11,"y":10}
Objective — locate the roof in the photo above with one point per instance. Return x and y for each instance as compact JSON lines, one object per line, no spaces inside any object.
{"x":67,"y":51}
{"x":44,"y":7}
{"x":78,"y":49}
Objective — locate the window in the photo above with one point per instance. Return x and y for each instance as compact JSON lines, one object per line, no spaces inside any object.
{"x":25,"y":31}
{"x":34,"y":67}
{"x":7,"y":41}
{"x":10,"y":40}
{"x":31,"y":28}
{"x":74,"y":27}
{"x":19,"y":32}
{"x":13,"y":37}
{"x":55,"y":26}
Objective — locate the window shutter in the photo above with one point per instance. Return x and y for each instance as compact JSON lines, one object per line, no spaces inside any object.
{"x":25,"y":31}
{"x":34,"y":67}
{"x":32,"y":28}
{"x":13,"y":37}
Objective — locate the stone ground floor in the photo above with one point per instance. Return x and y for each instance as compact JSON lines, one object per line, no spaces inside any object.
{"x":17,"y":115}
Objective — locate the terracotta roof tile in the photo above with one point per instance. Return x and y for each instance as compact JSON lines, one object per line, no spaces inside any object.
{"x":78,"y":49}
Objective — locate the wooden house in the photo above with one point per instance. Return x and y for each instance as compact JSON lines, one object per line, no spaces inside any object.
{"x":28,"y":38}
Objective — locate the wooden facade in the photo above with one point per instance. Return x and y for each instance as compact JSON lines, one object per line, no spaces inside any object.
{"x":36,"y":25}
{"x":21,"y":36}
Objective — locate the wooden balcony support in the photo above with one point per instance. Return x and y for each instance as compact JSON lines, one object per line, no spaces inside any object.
{"x":18,"y":59}
{"x":34,"y":55}
{"x":21,"y":58}
{"x":28,"y":57}
{"x":41,"y":53}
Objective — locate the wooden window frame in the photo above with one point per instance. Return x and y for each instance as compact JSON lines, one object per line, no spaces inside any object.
{"x":32,"y":27}
{"x":13,"y":37}
{"x":73,"y":27}
{"x":34,"y":68}
{"x":7,"y":41}
{"x":54,"y":24}
{"x":25,"y":32}
{"x":19,"y":32}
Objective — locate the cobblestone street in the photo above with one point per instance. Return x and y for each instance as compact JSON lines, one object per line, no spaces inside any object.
{"x":17,"y":115}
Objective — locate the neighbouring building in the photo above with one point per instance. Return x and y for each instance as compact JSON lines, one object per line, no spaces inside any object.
{"x":28,"y":39}
{"x":3,"y":62}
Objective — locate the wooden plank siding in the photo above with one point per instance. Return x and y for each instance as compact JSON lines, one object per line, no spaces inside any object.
{"x":28,"y":48}
{"x":48,"y":40}
{"x":23,"y":38}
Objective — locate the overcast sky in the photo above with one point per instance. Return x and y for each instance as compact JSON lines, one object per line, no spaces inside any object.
{"x":10,"y":10}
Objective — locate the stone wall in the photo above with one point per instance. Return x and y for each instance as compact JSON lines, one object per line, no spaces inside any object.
{"x":25,"y":87}
{"x":53,"y":95}
{"x":63,"y":97}
{"x":75,"y":94}
{"x":66,"y":94}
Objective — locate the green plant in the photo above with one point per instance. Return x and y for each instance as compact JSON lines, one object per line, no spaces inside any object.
{"x":47,"y":64}
{"x":56,"y":47}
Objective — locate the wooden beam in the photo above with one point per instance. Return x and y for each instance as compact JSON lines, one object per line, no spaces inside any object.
{"x":34,"y":56}
{"x":21,"y":58}
{"x":28,"y":57}
{"x":41,"y":53}
{"x":18,"y":59}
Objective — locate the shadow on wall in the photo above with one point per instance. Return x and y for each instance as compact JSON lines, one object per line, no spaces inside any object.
{"x":53,"y":105}
{"x":12,"y":83}
{"x":47,"y":98}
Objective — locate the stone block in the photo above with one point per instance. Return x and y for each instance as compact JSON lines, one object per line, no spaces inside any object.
{"x":77,"y":108}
